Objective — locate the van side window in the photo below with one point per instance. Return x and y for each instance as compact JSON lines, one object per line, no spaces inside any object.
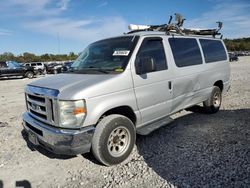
{"x":186,"y":51}
{"x":213,"y":50}
{"x":153,"y":48}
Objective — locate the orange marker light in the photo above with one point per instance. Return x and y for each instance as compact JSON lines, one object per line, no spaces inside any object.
{"x":79,"y":111}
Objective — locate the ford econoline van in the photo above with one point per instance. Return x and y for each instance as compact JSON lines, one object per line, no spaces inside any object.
{"x":121,"y":86}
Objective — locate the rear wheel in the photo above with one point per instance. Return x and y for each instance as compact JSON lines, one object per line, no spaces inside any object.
{"x":113,"y":140}
{"x":213,"y":103}
{"x":29,"y":74}
{"x":40,"y":71}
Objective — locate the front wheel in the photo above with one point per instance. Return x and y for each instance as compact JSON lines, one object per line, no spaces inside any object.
{"x":29,"y":74}
{"x":113,"y":140}
{"x":213,"y":103}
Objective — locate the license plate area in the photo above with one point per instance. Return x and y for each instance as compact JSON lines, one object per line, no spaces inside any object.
{"x":33,"y":138}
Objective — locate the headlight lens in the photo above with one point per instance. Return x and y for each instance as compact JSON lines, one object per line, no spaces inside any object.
{"x":71,"y":113}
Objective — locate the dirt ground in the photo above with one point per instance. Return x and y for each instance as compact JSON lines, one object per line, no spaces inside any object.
{"x":196,"y":150}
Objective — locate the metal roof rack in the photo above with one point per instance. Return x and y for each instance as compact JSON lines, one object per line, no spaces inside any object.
{"x":176,"y":28}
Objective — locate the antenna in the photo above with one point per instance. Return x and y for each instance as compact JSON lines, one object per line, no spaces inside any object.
{"x":170,"y":19}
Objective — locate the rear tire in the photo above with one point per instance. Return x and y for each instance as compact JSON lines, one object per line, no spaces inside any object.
{"x":29,"y":74}
{"x":213,"y":103}
{"x":113,"y":140}
{"x":40,"y":71}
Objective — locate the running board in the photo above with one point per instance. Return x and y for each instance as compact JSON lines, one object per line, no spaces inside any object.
{"x":147,"y":129}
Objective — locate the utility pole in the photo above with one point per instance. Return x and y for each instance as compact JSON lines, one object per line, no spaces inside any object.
{"x":58,"y":42}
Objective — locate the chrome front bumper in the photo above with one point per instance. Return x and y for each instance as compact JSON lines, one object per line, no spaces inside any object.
{"x":58,"y":140}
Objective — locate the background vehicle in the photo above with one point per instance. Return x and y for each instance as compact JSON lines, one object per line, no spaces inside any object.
{"x":54,"y":68}
{"x":233,"y":57}
{"x":66,"y":66}
{"x":38,"y":66}
{"x":12,"y":68}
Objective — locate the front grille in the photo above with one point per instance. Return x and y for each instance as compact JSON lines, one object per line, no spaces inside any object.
{"x":41,"y":107}
{"x":40,"y":99}
{"x":38,"y":114}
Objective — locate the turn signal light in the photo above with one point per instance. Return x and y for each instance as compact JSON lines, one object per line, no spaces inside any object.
{"x":79,"y":111}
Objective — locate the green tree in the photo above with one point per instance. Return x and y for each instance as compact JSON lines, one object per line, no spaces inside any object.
{"x":7,"y":56}
{"x":29,"y":57}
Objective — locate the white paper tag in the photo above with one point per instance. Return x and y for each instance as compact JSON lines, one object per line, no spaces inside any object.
{"x":121,"y":53}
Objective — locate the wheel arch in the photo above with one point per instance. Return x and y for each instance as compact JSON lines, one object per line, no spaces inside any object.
{"x":126,"y":111}
{"x":219,"y":83}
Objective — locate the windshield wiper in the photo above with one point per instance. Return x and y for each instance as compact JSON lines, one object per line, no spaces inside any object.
{"x":99,"y":69}
{"x":86,"y":69}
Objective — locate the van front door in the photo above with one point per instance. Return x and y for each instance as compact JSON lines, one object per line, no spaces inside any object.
{"x":153,"y":89}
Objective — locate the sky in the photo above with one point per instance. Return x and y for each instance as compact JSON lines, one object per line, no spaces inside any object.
{"x":63,"y":26}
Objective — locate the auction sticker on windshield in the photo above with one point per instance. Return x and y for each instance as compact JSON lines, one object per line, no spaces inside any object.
{"x":121,"y":53}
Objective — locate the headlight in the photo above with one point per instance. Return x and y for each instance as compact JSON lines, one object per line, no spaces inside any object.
{"x":71,"y":113}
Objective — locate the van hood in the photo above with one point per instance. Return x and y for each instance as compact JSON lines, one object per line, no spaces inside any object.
{"x":79,"y":86}
{"x":62,"y":82}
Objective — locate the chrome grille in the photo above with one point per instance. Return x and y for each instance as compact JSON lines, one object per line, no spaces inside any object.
{"x":40,"y":106}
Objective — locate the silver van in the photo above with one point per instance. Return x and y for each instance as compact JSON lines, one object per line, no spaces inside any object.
{"x":122,"y":86}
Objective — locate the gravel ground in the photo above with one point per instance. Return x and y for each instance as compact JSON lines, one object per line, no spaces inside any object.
{"x":196,"y":150}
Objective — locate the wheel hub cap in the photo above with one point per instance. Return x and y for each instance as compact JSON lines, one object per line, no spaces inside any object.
{"x":118,"y":141}
{"x":217,"y":99}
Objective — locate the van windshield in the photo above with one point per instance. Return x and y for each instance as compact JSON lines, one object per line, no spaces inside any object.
{"x":108,"y":56}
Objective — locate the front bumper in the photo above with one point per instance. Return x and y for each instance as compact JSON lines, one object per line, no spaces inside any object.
{"x":58,"y":140}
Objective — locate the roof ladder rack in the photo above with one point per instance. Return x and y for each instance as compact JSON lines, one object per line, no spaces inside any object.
{"x":176,"y":28}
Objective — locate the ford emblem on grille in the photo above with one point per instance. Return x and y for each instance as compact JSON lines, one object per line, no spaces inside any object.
{"x":35,"y":107}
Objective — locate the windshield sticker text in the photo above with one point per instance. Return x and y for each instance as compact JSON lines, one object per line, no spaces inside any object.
{"x":121,"y":53}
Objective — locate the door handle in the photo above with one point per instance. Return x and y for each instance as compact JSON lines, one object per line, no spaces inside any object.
{"x":169,"y":85}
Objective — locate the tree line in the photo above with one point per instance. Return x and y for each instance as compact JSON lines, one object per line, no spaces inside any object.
{"x":29,"y":57}
{"x":241,"y":44}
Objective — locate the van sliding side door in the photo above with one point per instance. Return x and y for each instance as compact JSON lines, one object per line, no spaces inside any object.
{"x":188,"y":67}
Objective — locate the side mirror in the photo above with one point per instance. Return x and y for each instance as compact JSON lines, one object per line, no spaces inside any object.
{"x":145,"y":65}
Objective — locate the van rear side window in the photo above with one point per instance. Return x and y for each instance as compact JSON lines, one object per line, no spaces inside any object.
{"x":213,"y":50}
{"x":186,"y":51}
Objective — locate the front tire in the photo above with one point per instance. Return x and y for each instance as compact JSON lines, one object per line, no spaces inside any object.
{"x":213,"y":103}
{"x":113,"y":140}
{"x":29,"y":74}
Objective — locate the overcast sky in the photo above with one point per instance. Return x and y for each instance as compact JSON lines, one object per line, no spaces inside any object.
{"x":63,"y":26}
